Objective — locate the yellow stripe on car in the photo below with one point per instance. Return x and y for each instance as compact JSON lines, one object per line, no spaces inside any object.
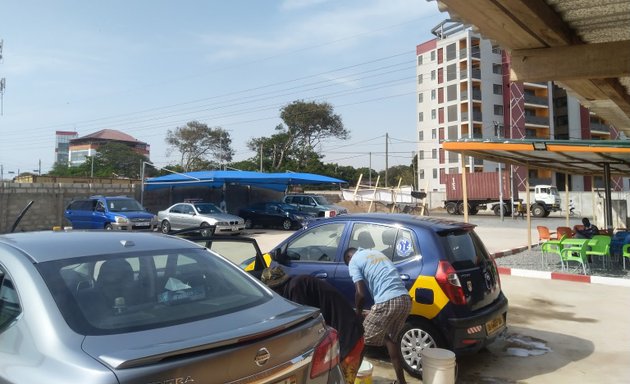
{"x":440,"y":300}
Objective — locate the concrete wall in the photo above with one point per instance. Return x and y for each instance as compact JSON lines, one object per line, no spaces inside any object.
{"x":49,"y":202}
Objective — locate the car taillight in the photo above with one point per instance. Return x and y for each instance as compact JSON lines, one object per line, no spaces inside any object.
{"x":448,"y":280}
{"x":496,"y":272}
{"x":326,"y":354}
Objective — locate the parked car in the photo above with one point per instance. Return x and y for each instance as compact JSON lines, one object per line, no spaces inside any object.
{"x":274,"y":214}
{"x":126,"y":307}
{"x":453,"y":281}
{"x":315,"y":205}
{"x":109,"y":212}
{"x":188,"y":215}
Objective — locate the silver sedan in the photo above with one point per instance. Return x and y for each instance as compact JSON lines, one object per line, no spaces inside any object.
{"x":189,"y":215}
{"x":126,"y":307}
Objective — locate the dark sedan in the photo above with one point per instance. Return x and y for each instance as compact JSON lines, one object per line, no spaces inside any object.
{"x":273,"y":214}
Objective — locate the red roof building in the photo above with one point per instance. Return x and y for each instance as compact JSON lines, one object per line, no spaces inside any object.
{"x":88,"y":145}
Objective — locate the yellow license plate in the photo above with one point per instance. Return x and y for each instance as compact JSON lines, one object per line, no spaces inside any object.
{"x":494,"y":325}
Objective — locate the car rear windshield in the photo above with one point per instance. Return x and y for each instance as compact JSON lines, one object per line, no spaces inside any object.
{"x":463,"y":249}
{"x":109,"y":294}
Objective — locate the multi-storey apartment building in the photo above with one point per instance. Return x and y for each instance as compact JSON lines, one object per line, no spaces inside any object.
{"x":62,"y":145}
{"x":464,"y":91}
{"x":88,"y":145}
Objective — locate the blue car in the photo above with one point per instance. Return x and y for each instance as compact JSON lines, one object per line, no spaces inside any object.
{"x":274,"y":214}
{"x":110,"y":213}
{"x":452,"y":279}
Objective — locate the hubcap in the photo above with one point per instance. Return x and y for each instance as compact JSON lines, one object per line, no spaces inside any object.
{"x":413,"y":342}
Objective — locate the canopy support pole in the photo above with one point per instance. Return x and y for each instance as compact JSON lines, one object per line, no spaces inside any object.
{"x":566,"y":200}
{"x":465,"y":189}
{"x":529,"y":213}
{"x":608,"y":202}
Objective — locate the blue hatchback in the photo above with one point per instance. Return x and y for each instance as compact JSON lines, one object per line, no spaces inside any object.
{"x":110,"y":213}
{"x":452,"y":279}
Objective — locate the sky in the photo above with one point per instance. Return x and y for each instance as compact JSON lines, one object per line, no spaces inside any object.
{"x":144,"y":67}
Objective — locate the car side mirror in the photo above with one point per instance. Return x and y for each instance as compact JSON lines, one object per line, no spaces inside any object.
{"x":280,"y":257}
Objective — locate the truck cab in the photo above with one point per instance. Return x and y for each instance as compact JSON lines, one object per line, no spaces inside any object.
{"x":546,"y":200}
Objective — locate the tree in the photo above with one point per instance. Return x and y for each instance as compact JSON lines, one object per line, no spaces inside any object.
{"x":293,"y":146}
{"x":117,"y":160}
{"x":200,"y":145}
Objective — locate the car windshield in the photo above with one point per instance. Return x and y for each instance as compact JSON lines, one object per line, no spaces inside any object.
{"x":123,"y":205}
{"x":464,"y":249}
{"x":109,"y":294}
{"x":284,"y":207}
{"x":204,"y":208}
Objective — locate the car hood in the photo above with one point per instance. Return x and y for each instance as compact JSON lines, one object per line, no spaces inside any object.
{"x":135,"y":214}
{"x":184,"y":341}
{"x":222,"y":217}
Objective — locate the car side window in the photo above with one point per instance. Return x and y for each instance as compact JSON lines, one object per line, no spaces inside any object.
{"x":395,"y":243}
{"x":176,"y":209}
{"x":316,"y":244}
{"x":10,"y":307}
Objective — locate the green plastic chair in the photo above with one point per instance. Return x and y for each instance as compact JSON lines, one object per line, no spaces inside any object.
{"x":599,"y":246}
{"x":625,"y":252}
{"x":575,"y":252}
{"x":551,"y":247}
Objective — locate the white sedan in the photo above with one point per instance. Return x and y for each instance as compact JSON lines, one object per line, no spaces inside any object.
{"x":189,"y":215}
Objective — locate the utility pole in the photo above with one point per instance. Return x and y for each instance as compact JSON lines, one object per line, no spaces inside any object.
{"x":261,"y":157}
{"x":3,"y":83}
{"x":370,"y":172}
{"x":386,"y":157}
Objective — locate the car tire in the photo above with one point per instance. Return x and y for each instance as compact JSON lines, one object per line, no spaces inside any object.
{"x":451,"y":208}
{"x":416,"y":335}
{"x":538,"y":210}
{"x":287,"y":224}
{"x":249,"y":224}
{"x":165,"y":227}
{"x":109,"y":227}
{"x":206,"y":230}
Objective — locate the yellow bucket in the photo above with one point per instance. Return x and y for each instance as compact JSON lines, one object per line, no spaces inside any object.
{"x":364,"y":375}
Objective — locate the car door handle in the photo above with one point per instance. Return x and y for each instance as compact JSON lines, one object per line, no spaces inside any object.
{"x":321,"y":275}
{"x":405,"y":277}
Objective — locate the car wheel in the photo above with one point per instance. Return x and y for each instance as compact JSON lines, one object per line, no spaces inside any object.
{"x":206,"y":230}
{"x":165,"y":227}
{"x":287,"y":224}
{"x":416,"y":336}
{"x":249,"y":224}
{"x":538,"y":210}
{"x":108,"y":227}
{"x":451,"y":208}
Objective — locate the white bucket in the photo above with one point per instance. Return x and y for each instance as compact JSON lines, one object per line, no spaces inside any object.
{"x":438,"y":366}
{"x":364,"y":375}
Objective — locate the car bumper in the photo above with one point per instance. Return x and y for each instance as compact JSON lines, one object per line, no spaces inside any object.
{"x":229,"y":229}
{"x":133,"y":227}
{"x":472,"y":333}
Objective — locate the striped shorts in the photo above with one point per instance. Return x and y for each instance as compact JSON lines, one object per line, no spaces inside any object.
{"x":387,"y":318}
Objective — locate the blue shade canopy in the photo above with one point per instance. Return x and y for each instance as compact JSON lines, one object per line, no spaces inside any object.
{"x":216,"y":179}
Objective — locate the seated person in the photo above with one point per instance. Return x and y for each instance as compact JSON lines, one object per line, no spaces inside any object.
{"x":589,"y":230}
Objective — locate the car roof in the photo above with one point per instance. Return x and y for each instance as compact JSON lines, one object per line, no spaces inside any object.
{"x":45,"y":246}
{"x":427,"y":222}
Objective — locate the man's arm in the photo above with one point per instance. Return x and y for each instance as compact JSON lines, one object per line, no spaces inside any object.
{"x":359,"y":296}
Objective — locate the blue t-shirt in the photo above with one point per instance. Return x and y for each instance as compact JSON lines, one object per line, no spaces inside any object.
{"x":379,"y":273}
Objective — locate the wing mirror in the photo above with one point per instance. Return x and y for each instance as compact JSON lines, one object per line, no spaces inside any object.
{"x":279,"y":256}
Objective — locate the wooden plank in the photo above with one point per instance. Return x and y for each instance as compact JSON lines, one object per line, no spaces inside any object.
{"x":493,"y":23}
{"x":585,"y":61}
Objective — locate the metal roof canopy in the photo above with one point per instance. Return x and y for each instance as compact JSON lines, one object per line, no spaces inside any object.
{"x":584,"y":157}
{"x":575,"y":157}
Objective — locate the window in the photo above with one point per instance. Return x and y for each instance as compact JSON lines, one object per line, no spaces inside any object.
{"x":433,"y":134}
{"x":452,"y":132}
{"x":420,"y":116}
{"x":433,"y":94}
{"x":395,"y":243}
{"x":451,"y":52}
{"x":421,"y":136}
{"x":453,"y":157}
{"x":420,"y":79}
{"x":433,"y":75}
{"x":432,"y":55}
{"x":420,"y":97}
{"x":496,"y":49}
{"x":496,"y":68}
{"x":497,"y":89}
{"x":419,"y":59}
{"x":452,"y":113}
{"x":420,"y":155}
{"x":451,"y":72}
{"x":10,"y":306}
{"x":435,"y":173}
{"x":433,"y":114}
{"x":434,"y":155}
{"x":421,"y":173}
{"x":317,"y":245}
{"x":498,"y":110}
{"x":451,"y":92}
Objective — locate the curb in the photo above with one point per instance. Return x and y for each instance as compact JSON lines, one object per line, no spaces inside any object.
{"x":556,"y":275}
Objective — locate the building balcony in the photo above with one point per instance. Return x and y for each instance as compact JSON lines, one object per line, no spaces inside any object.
{"x":537,"y":120}
{"x":476,"y":94}
{"x":476,"y":74}
{"x":599,"y":127}
{"x":476,"y":116}
{"x":536,"y":100}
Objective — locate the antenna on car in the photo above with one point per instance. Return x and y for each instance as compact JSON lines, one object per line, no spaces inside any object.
{"x":19,"y":218}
